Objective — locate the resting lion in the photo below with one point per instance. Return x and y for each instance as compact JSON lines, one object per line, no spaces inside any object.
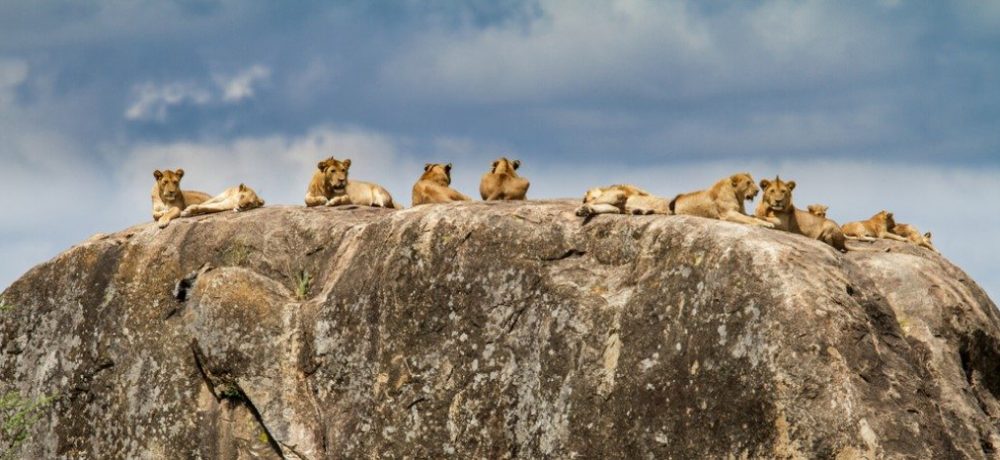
{"x":878,"y":226}
{"x":621,"y":199}
{"x":330,"y":187}
{"x":502,"y":182}
{"x":818,"y":210}
{"x":434,"y":186}
{"x":239,"y":198}
{"x":776,"y":207}
{"x":168,"y":198}
{"x":723,"y":201}
{"x":911,"y":233}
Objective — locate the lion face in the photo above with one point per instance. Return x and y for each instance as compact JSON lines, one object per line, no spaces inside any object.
{"x":778,"y":194}
{"x":169,"y":183}
{"x":505,"y":166}
{"x":335,"y":172}
{"x":248,"y":199}
{"x":744,"y":186}
{"x":818,"y":210}
{"x":437,"y":172}
{"x":592,"y":194}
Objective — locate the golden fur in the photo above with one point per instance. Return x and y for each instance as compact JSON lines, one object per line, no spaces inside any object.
{"x":169,"y":201}
{"x":724,"y":200}
{"x":913,"y":235}
{"x":777,"y":207}
{"x":818,"y":210}
{"x":239,"y":198}
{"x":330,"y":187}
{"x":878,"y":226}
{"x":434,"y":186}
{"x":621,"y":199}
{"x":502,"y":182}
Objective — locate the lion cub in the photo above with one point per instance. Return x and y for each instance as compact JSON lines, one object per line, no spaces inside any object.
{"x":502,"y":182}
{"x":777,"y":208}
{"x":911,"y":233}
{"x":818,"y":210}
{"x":330,"y":187}
{"x":168,"y":199}
{"x":434,"y":186}
{"x":621,"y":199}
{"x":878,"y":226}
{"x":724,"y":200}
{"x":239,"y":198}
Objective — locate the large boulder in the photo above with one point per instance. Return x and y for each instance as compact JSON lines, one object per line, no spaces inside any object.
{"x":497,"y":330}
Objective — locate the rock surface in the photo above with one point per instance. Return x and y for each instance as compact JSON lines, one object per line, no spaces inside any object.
{"x":498,"y":330}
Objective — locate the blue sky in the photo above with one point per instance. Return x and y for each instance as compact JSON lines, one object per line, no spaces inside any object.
{"x":867,"y":105}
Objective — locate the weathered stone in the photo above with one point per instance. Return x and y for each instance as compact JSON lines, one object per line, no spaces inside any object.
{"x":499,"y":330}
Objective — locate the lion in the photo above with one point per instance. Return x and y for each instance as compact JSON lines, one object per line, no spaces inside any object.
{"x":169,"y":201}
{"x":330,"y":187}
{"x":913,"y":235}
{"x":239,"y":198}
{"x":818,"y":210}
{"x":724,"y":201}
{"x":434,"y":186}
{"x":621,"y":199}
{"x":776,"y":207}
{"x":878,"y":226}
{"x":502,"y":182}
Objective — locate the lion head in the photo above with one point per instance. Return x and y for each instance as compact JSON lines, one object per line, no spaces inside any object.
{"x":592,"y":194}
{"x":169,"y":183}
{"x":437,"y":172}
{"x":744,"y":186}
{"x":777,"y":194}
{"x":505,"y":166}
{"x":887,"y":217}
{"x":817,"y":209}
{"x":248,"y":199}
{"x":335,"y":172}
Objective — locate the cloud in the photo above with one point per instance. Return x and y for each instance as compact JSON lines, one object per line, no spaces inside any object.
{"x":152,"y":102}
{"x":13,"y":72}
{"x":241,"y":86}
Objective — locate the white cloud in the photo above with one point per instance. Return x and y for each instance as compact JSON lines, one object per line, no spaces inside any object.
{"x":241,"y":86}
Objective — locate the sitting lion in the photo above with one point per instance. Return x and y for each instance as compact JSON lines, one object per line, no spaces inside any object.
{"x":818,"y":210}
{"x":168,"y":198}
{"x":621,"y":199}
{"x":330,"y":187}
{"x":911,"y":233}
{"x":878,"y":226}
{"x":776,"y":207}
{"x":239,"y":198}
{"x":723,"y":201}
{"x":434,"y":186}
{"x":502,"y":182}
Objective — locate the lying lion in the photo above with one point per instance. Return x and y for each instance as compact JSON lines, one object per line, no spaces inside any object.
{"x":913,"y":235}
{"x":878,"y":226}
{"x":621,"y":199}
{"x":502,"y":182}
{"x":776,"y":207}
{"x":169,"y":201}
{"x":239,"y":198}
{"x":434,"y":186}
{"x":723,"y":201}
{"x":330,"y":187}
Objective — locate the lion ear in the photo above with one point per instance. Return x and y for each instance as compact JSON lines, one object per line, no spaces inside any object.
{"x":243,"y":187}
{"x":157,"y":174}
{"x":495,"y":163}
{"x":791,"y":185}
{"x":888,"y":214}
{"x":321,"y":165}
{"x":447,"y":168}
{"x":428,"y":166}
{"x":346,"y":163}
{"x":179,"y":172}
{"x":517,"y":164}
{"x":927,"y":235}
{"x":764,"y":183}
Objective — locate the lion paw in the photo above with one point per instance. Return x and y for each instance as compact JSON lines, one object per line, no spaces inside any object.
{"x":584,"y":211}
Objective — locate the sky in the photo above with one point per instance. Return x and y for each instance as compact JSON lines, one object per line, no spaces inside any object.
{"x":866,"y":105}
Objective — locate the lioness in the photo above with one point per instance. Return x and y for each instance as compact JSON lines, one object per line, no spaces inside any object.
{"x":776,"y":207}
{"x":239,"y":198}
{"x":878,"y":226}
{"x":330,"y":187}
{"x":818,"y":210}
{"x":621,"y":198}
{"x":168,"y":198}
{"x":911,"y":233}
{"x":434,"y":186}
{"x":723,"y":201}
{"x":502,"y":182}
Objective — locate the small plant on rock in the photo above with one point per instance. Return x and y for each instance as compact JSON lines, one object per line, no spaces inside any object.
{"x":17,"y":416}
